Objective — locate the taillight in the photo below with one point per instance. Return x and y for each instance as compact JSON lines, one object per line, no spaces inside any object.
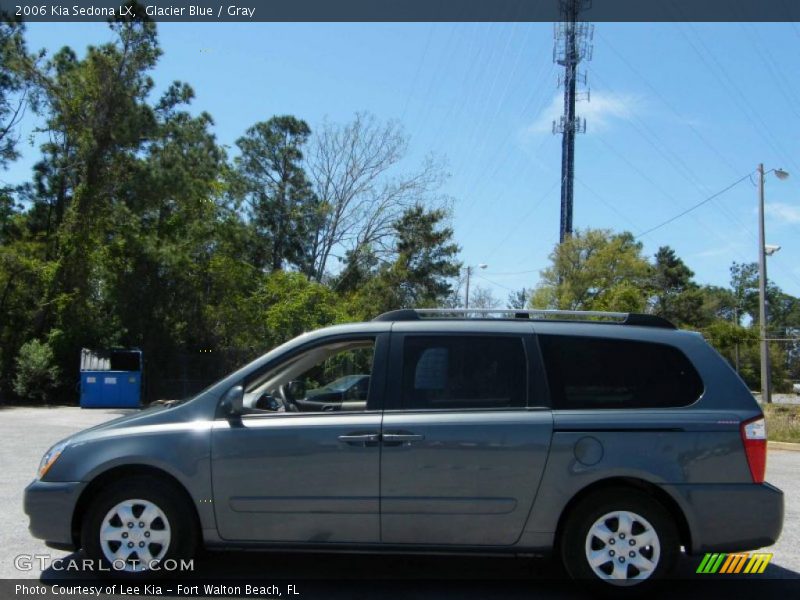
{"x":754,"y":437}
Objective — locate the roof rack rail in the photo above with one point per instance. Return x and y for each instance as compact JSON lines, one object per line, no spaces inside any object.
{"x":590,"y":316}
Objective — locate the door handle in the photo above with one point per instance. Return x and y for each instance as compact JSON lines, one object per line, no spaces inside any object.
{"x":398,"y":439}
{"x":360,"y":439}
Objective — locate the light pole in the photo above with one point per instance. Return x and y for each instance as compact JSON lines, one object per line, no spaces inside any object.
{"x":469,"y":273}
{"x":763,"y":250}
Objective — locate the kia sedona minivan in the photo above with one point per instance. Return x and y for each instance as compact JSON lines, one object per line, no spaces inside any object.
{"x":612,"y":440}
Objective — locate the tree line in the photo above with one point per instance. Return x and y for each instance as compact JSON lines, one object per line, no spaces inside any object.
{"x":138,"y":229}
{"x":603,"y":270}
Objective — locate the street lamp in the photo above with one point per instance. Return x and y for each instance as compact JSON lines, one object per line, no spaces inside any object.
{"x":763,"y":251}
{"x":469,"y":273}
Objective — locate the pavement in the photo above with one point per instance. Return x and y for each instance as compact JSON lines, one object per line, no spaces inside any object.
{"x":26,"y":433}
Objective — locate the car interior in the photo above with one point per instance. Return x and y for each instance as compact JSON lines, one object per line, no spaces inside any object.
{"x":332,"y":377}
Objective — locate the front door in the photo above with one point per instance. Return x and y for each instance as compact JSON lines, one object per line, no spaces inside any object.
{"x":463,"y":453}
{"x":306,"y":468}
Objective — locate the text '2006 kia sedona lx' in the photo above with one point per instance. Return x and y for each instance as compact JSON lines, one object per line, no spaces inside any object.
{"x":611,"y":439}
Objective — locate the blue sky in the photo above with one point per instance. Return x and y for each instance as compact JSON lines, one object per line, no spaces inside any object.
{"x":678,"y":111}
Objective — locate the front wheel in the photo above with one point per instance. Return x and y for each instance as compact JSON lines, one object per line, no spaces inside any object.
{"x":619,"y":537}
{"x":135,"y":525}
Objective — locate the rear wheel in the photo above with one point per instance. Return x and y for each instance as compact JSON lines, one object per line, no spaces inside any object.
{"x":135,"y":524}
{"x":620,"y":537}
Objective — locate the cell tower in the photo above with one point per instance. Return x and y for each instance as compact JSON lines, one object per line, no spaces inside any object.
{"x":573,"y":43}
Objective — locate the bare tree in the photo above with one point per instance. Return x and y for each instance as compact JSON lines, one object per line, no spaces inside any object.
{"x":483,"y":298}
{"x":353,"y":168}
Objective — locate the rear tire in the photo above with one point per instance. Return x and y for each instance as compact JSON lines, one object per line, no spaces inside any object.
{"x":619,"y":538}
{"x":136,"y":524}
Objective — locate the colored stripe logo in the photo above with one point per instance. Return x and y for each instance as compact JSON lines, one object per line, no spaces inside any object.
{"x":737,"y":562}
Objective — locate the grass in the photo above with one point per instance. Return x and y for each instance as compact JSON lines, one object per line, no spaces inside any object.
{"x":783,"y":422}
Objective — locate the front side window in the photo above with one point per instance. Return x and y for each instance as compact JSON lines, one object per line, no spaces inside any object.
{"x":463,"y":372}
{"x":586,"y":372}
{"x":330,"y":378}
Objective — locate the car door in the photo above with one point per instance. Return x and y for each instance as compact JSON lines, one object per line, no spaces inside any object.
{"x":464,"y":444}
{"x":310,"y":476}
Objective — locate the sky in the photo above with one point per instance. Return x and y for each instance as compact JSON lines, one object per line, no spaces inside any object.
{"x":677,"y":112}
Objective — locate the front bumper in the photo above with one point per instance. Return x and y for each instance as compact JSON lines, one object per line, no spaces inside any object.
{"x":50,"y":506}
{"x":730,"y":517}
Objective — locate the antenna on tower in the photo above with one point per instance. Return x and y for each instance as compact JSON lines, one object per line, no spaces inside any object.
{"x":572,"y":44}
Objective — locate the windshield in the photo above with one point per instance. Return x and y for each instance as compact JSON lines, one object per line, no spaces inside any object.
{"x":341,"y":384}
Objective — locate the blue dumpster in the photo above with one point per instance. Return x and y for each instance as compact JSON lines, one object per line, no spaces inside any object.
{"x":112,"y":379}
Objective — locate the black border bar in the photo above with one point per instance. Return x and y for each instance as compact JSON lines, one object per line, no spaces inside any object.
{"x":211,"y":11}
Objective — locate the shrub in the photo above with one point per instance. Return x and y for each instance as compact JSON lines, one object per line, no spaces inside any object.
{"x":36,"y":373}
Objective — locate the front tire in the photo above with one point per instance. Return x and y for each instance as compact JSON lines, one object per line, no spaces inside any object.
{"x":136,"y":524}
{"x":620,"y":537}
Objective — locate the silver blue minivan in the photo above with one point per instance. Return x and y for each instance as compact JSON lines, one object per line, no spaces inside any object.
{"x":611,"y":440}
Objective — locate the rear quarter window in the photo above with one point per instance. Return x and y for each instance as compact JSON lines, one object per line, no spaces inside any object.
{"x":587,"y":372}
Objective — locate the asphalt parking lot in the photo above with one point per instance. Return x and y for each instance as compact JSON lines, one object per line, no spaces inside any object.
{"x":26,"y":433}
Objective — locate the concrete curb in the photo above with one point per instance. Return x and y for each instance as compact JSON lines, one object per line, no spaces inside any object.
{"x":783,"y":446}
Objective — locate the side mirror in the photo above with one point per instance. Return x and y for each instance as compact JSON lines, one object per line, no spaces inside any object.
{"x":233,"y":401}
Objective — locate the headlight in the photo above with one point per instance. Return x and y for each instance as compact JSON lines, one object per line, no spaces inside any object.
{"x":51,"y":456}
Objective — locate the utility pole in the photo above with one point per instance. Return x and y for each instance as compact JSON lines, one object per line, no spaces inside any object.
{"x":466,"y":295}
{"x":762,"y":293}
{"x":469,"y":274}
{"x":736,"y":346}
{"x":763,"y":251}
{"x":572,"y":44}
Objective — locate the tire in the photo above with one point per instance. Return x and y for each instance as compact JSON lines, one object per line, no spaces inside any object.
{"x":599,"y":526}
{"x":135,"y":524}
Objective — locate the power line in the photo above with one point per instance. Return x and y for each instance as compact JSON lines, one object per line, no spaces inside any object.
{"x":505,"y":287}
{"x":608,"y":204}
{"x":669,"y":105}
{"x":691,"y":208}
{"x":495,"y":274}
{"x":521,"y":221}
{"x":416,"y":74}
{"x":666,"y":194}
{"x":739,"y":98}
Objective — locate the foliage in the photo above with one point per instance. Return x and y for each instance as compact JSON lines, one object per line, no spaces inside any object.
{"x":783,"y":422}
{"x":353,"y":167}
{"x":136,"y":229}
{"x":281,"y":202}
{"x":13,"y":86}
{"x":602,"y":270}
{"x":594,"y":270}
{"x":288,"y":304}
{"x":518,"y":299}
{"x":423,"y":264}
{"x":36,"y":373}
{"x":674,"y":295}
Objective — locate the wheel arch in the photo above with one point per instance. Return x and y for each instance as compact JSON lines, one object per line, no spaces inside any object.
{"x":672,"y":506}
{"x":116,"y":473}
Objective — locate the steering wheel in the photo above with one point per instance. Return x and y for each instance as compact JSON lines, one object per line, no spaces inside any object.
{"x":288,"y":402}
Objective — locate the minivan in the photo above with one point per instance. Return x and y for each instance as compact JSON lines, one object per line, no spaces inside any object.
{"x":612,"y":441}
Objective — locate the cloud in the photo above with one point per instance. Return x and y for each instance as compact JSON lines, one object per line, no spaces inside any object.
{"x":788,"y":213}
{"x":599,"y":113}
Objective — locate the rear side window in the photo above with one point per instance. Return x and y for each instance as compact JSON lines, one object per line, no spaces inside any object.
{"x":458,"y":372}
{"x":585,"y":372}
